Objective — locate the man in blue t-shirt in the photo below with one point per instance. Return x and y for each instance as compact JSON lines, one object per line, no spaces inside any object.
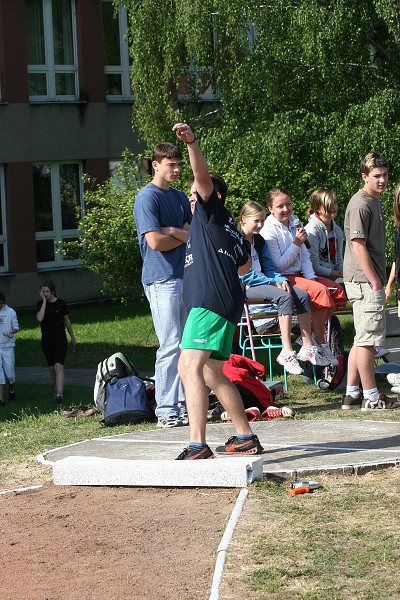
{"x":213,"y":296}
{"x":162,"y":215}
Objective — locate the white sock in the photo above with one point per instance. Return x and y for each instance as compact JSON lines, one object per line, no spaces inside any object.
{"x":372,"y":395}
{"x":353,"y":391}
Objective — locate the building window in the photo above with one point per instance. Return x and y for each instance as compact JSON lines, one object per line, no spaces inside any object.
{"x":116,"y":55}
{"x":51,"y":50}
{"x":58,"y":197}
{"x":197,"y":80}
{"x":3,"y":238}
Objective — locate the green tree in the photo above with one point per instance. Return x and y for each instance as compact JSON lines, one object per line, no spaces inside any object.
{"x":108,"y":243}
{"x":299,"y":103}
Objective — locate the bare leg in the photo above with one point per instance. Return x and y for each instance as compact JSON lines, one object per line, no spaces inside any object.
{"x":318,"y":319}
{"x":285,"y":324}
{"x":52,"y":371}
{"x":304,"y":320}
{"x":190,"y":368}
{"x":361,"y":367}
{"x":59,"y":378}
{"x":228,"y":395}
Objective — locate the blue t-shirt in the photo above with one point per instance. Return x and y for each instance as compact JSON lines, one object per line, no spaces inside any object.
{"x":155,"y":208}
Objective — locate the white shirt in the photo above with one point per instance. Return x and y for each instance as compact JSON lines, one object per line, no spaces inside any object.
{"x":287,"y":257}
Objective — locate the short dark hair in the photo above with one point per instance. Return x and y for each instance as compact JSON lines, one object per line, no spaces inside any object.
{"x":219,"y":184}
{"x":373,"y":160}
{"x":166,"y":150}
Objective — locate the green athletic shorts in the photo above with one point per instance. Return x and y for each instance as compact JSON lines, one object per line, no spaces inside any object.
{"x":205,"y":330}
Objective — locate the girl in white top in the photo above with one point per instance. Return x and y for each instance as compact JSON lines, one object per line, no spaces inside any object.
{"x":286,"y":239}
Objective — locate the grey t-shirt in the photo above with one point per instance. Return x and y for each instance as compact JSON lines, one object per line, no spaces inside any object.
{"x":364,"y":220}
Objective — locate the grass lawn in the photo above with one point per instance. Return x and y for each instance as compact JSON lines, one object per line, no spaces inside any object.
{"x":339,"y":542}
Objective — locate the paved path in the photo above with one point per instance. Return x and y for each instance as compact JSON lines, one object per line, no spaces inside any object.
{"x":41,"y":375}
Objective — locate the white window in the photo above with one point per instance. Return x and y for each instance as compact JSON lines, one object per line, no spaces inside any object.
{"x":58,"y":197}
{"x":3,"y":238}
{"x":116,"y":55}
{"x":51,"y":50}
{"x":197,"y":80}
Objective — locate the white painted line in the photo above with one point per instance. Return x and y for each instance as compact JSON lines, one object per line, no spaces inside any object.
{"x":224,"y":543}
{"x":24,"y":489}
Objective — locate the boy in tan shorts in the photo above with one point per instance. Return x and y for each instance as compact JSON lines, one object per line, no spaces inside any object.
{"x":364,"y":278}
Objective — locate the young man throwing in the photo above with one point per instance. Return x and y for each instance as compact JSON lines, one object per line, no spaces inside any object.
{"x":214,"y":300}
{"x":364,"y":279}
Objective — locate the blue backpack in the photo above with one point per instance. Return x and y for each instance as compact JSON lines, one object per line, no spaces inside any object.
{"x":126,"y":402}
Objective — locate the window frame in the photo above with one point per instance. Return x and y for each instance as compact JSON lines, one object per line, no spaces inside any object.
{"x":3,"y":234}
{"x":50,"y":69}
{"x":57,"y":234}
{"x":124,"y":68}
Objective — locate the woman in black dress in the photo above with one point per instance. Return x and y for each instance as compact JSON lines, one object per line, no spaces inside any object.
{"x":52,"y":314}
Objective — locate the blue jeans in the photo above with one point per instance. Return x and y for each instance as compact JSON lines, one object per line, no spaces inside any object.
{"x":169,"y":316}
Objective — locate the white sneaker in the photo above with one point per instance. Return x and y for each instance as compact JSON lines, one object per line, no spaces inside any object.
{"x":380,"y":351}
{"x":171,"y":421}
{"x":290,"y":362}
{"x":393,"y":379}
{"x":326,"y":351}
{"x":395,"y":389}
{"x":313,"y":356}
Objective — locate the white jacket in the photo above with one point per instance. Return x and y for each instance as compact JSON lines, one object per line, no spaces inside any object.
{"x":287,"y":257}
{"x":8,"y":322}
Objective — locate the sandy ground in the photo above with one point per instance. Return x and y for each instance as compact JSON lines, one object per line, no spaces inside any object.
{"x":109,"y":543}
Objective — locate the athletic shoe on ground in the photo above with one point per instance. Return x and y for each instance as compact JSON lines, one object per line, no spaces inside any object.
{"x":214,"y":414}
{"x":83,"y":410}
{"x":189,"y":454}
{"x":313,"y":356}
{"x":272,"y":412}
{"x":393,"y":379}
{"x":183,"y":416}
{"x":11,"y":394}
{"x":290,"y":362}
{"x":383,"y":403}
{"x":327,"y":352}
{"x":380,"y":351}
{"x":395,"y":389}
{"x":236,"y":446}
{"x":171,"y":421}
{"x":252,"y":414}
{"x":349,"y":402}
{"x":59,"y":399}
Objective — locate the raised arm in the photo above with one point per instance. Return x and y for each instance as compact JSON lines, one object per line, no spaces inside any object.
{"x":204,"y":184}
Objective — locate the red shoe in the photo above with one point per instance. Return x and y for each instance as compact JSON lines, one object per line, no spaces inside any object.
{"x":252,"y":413}
{"x":272,"y":412}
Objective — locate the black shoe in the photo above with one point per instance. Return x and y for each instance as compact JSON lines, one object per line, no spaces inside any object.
{"x":190,"y":454}
{"x":59,"y":399}
{"x":349,"y":402}
{"x":237,"y":446}
{"x":2,"y":403}
{"x":11,"y":394}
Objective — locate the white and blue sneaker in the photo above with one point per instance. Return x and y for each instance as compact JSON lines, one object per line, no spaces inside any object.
{"x":171,"y":421}
{"x":183,"y":416}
